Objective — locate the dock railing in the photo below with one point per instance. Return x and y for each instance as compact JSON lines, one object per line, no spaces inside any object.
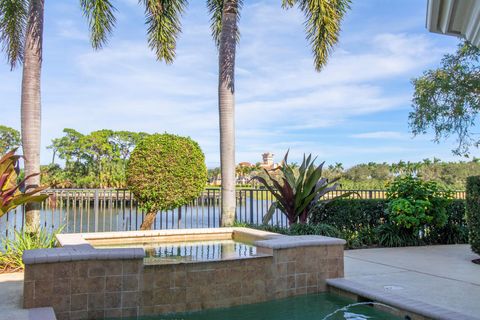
{"x":100,"y":210}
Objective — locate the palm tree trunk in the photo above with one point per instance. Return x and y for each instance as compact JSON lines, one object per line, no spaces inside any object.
{"x":226,"y":103}
{"x":31,"y":105}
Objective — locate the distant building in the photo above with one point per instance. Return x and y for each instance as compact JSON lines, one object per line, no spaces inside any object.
{"x":246,"y":164}
{"x":244,"y":170}
{"x":268,"y":162}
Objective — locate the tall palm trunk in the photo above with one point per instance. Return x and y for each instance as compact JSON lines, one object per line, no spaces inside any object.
{"x":31,"y":105}
{"x":226,"y":103}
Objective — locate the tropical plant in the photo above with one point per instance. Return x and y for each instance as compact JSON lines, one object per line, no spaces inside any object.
{"x":415,"y":204}
{"x":12,"y":192}
{"x":11,"y":257}
{"x":297,"y":192}
{"x":164,"y":172}
{"x":473,"y":212}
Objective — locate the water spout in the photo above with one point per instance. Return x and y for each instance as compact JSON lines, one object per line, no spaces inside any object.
{"x":345,"y":309}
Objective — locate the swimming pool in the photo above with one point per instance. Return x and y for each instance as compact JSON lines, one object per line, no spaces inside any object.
{"x":305,"y":307}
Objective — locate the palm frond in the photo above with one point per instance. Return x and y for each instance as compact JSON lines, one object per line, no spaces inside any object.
{"x":163,"y":21}
{"x":322,"y":25}
{"x":216,"y":7}
{"x":13,"y":23}
{"x":101,"y":20}
{"x":287,"y":4}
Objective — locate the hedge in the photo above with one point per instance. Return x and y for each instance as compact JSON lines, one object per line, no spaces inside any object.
{"x":362,"y":223}
{"x":351,"y":214}
{"x":473,"y":212}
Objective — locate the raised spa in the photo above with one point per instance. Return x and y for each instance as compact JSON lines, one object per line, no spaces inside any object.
{"x":144,"y":273}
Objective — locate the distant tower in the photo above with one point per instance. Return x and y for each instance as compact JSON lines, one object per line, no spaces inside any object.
{"x":268,"y":159}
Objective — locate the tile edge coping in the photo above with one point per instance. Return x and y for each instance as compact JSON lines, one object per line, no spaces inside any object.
{"x":397,"y":301}
{"x":268,"y":239}
{"x":75,"y":246}
{"x":43,"y":313}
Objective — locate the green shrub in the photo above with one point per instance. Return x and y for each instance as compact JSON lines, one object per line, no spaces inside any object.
{"x":391,"y":235}
{"x":455,"y":230}
{"x":473,"y":212}
{"x":11,"y":257}
{"x":298,"y":229}
{"x":414,"y":204}
{"x":363,"y":223}
{"x":164,"y":172}
{"x":351,"y":214}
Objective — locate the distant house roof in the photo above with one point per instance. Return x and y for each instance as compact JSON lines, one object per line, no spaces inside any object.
{"x":459,"y":18}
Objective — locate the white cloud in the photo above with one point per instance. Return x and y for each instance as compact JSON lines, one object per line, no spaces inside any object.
{"x":281,"y":101}
{"x":68,"y":29}
{"x":391,"y":135}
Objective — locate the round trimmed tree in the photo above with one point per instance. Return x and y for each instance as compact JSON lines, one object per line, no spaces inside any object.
{"x":165,"y":171}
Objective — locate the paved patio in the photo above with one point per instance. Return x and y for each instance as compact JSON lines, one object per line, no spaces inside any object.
{"x":11,"y":292}
{"x":442,"y":276}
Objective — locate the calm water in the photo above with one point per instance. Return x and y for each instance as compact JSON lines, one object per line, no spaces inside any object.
{"x":161,"y":252}
{"x":120,"y":217}
{"x":307,"y":307}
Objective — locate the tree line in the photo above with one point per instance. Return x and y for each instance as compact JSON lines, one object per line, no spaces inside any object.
{"x":374,"y":175}
{"x":98,"y":160}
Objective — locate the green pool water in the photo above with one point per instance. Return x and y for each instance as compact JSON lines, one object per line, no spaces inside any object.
{"x":306,"y":307}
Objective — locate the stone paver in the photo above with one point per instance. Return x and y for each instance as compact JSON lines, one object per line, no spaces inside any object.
{"x":11,"y":288}
{"x":442,"y":276}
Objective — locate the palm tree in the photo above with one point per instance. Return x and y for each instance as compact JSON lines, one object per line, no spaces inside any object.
{"x":21,"y":35}
{"x":226,"y":35}
{"x":323,"y":18}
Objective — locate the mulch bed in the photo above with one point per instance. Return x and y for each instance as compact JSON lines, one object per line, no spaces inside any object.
{"x":4,"y":269}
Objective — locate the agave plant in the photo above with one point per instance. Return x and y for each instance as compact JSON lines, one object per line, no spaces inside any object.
{"x":11,"y":193}
{"x":297,"y":192}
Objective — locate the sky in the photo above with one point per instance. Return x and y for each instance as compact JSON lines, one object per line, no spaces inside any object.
{"x":355,"y":110}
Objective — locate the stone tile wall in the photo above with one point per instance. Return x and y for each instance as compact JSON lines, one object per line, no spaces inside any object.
{"x":197,"y":286}
{"x":94,"y":289}
{"x":85,"y":289}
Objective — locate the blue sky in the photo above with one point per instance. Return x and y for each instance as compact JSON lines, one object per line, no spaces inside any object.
{"x":355,"y":110}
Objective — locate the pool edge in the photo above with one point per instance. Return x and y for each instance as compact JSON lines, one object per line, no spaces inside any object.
{"x":407,"y":307}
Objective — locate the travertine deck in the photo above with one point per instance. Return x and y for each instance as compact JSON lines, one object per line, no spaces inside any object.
{"x":442,"y":277}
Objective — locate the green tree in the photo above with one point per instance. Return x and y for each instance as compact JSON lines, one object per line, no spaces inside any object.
{"x":447,"y":99}
{"x":164,"y":172}
{"x":94,"y":160}
{"x":9,"y":139}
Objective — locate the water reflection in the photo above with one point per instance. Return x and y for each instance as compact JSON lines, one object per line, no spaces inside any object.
{"x":192,"y":251}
